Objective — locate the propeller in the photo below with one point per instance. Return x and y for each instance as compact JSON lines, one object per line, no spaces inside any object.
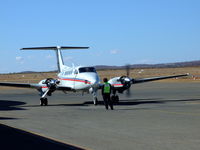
{"x":128,"y":93}
{"x":127,"y":70}
{"x":126,"y":81}
{"x":51,"y":84}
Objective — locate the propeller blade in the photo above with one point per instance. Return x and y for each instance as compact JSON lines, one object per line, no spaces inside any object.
{"x":128,"y":92}
{"x":127,"y":70}
{"x":45,"y":93}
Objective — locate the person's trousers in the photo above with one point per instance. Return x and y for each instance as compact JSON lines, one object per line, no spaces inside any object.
{"x":107,"y":101}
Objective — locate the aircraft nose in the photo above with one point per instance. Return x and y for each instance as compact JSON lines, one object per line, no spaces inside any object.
{"x":94,"y":80}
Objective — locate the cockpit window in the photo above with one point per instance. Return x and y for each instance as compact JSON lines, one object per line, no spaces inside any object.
{"x":87,"y":69}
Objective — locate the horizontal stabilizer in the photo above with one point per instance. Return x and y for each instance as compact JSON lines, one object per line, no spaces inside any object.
{"x":53,"y":48}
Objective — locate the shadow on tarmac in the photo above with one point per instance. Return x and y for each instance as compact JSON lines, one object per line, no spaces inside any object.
{"x":75,"y":105}
{"x":7,"y":118}
{"x":144,"y":101}
{"x":7,"y":105}
{"x":12,"y":138}
{"x":127,"y":102}
{"x":121,"y":102}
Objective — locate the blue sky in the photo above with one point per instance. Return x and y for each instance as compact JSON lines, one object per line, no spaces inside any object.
{"x":117,"y":31}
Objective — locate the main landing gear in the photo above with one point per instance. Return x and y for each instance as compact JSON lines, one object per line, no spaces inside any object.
{"x":115,"y":98}
{"x":43,"y":101}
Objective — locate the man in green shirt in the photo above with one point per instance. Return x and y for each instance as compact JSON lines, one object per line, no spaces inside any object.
{"x":106,"y":91}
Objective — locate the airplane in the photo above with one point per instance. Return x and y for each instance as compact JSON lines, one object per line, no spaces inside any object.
{"x":79,"y":78}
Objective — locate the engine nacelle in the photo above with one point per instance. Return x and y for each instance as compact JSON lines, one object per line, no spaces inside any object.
{"x":44,"y":87}
{"x":121,"y":84}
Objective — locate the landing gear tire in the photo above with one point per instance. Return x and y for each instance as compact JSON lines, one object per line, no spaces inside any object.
{"x":44,"y":101}
{"x":41,"y":101}
{"x":95,"y":101}
{"x":115,"y":98}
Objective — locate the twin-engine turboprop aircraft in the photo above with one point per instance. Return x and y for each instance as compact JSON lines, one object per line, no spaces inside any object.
{"x":79,"y":78}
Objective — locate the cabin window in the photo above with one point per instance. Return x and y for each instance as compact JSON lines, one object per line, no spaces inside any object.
{"x":68,"y":72}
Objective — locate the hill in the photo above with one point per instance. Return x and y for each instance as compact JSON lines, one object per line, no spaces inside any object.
{"x":162,"y":65}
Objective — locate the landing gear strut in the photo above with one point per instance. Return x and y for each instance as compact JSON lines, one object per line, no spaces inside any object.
{"x":44,"y":101}
{"x":95,"y":101}
{"x":115,"y":97}
{"x":94,"y":94}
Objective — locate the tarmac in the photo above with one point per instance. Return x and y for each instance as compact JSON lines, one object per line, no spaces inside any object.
{"x":158,"y":116}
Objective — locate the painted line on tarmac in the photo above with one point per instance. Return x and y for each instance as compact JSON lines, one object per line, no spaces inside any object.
{"x":47,"y":138}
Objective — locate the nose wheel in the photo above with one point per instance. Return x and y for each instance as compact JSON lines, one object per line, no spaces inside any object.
{"x":43,"y":101}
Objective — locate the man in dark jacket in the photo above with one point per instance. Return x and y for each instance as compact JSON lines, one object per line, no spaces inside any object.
{"x":106,"y":91}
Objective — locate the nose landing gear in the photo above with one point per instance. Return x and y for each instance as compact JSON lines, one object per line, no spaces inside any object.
{"x":95,"y":101}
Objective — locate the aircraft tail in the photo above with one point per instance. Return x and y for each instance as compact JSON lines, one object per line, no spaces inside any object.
{"x":57,"y":49}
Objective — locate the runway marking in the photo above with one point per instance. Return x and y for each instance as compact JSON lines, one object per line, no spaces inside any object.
{"x":178,"y":113}
{"x":47,"y":137}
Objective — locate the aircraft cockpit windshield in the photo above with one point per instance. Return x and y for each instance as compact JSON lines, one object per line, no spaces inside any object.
{"x":87,"y":69}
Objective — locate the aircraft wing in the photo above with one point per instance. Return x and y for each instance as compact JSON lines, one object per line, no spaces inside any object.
{"x":22,"y":85}
{"x":134,"y":81}
{"x":32,"y":85}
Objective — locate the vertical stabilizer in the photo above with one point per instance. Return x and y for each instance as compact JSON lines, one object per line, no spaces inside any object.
{"x":60,"y":62}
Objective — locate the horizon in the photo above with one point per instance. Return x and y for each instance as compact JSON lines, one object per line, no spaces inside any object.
{"x":117,"y":32}
{"x":139,"y":66}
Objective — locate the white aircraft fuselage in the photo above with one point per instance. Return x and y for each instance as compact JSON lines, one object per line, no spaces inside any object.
{"x":79,"y":78}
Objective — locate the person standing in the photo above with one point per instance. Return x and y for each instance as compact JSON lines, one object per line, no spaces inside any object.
{"x":106,"y":91}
